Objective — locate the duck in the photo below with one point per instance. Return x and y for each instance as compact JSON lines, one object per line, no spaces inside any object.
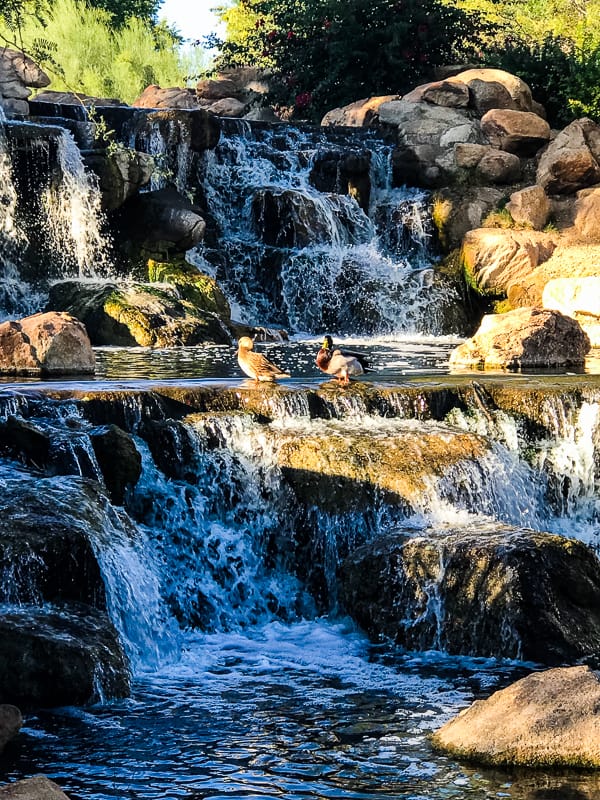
{"x":341,"y":364}
{"x":255,"y":365}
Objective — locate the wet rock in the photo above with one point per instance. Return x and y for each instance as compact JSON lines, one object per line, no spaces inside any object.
{"x":195,"y":128}
{"x":493,"y":258}
{"x":460,"y":210}
{"x":548,"y":719}
{"x":51,"y":343}
{"x":119,"y":460}
{"x":525,"y":337}
{"x":121,"y":174}
{"x":59,"y":655}
{"x":519,"y":132}
{"x":25,"y":441}
{"x":497,"y":591}
{"x":38,"y":788}
{"x":11,"y":722}
{"x":571,"y":161}
{"x":529,"y":206}
{"x":343,"y":172}
{"x":172,"y":447}
{"x":198,"y":288}
{"x":146,"y":314}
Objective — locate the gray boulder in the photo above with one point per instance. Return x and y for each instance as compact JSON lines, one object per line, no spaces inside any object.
{"x":38,"y":788}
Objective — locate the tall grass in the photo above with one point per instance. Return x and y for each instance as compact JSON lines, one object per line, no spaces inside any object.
{"x":85,"y":53}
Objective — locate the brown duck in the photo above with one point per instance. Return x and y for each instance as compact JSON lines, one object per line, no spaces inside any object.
{"x":256,"y":365}
{"x":340,"y":364}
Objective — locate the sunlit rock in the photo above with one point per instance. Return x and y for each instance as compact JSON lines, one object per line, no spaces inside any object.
{"x":38,"y":788}
{"x":529,"y":206}
{"x":525,"y":337}
{"x":587,"y":213}
{"x":147,"y":314}
{"x":200,"y":289}
{"x":497,"y":591}
{"x":571,"y":161}
{"x":173,"y":97}
{"x":578,"y":298}
{"x":52,"y":343}
{"x":517,"y":90}
{"x":520,"y":132}
{"x":548,"y":719}
{"x":361,"y":113}
{"x":451,"y":94}
{"x":493,"y":258}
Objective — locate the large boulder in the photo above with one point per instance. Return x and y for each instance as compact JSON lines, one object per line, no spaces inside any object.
{"x":500,"y":85}
{"x":499,"y":591}
{"x":523,"y":338}
{"x":493,"y":258}
{"x":147,"y":314}
{"x":11,"y":722}
{"x":361,"y":113}
{"x":38,"y":788}
{"x":51,"y":343}
{"x":121,"y":173}
{"x":548,"y":719}
{"x":519,"y":132}
{"x":451,"y":94}
{"x":571,"y":161}
{"x":17,"y":73}
{"x":529,"y":207}
{"x":197,"y":287}
{"x":173,"y":97}
{"x":578,"y":298}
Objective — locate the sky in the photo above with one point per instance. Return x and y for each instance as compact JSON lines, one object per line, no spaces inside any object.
{"x":192,"y":18}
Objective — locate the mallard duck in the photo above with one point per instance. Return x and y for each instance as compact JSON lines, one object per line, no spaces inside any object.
{"x":256,"y":365}
{"x":341,"y":364}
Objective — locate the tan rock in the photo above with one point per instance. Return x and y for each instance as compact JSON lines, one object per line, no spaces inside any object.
{"x":49,"y":343}
{"x":517,"y":89}
{"x":548,"y":719}
{"x":497,"y":166}
{"x":587,"y":213}
{"x":520,"y":132}
{"x":155,"y":97}
{"x":452,"y":94}
{"x":529,"y":206}
{"x":571,"y":161}
{"x":493,"y":258}
{"x":525,"y":337}
{"x":228,"y":107}
{"x":578,"y":298}
{"x":361,"y":113}
{"x":211,"y":89}
{"x":38,"y":788}
{"x":14,"y":64}
{"x":468,"y":155}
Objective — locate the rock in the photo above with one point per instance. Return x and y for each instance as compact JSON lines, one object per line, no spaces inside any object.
{"x":361,"y":113}
{"x":76,"y":99}
{"x":587,"y":213}
{"x":192,"y":285}
{"x":146,"y":314}
{"x":525,"y":337}
{"x":529,"y":207}
{"x":548,"y":719}
{"x":52,"y":343}
{"x":519,"y":132}
{"x":211,"y":89}
{"x":468,"y":156}
{"x":11,"y":723}
{"x":119,"y":460}
{"x":121,"y":174}
{"x":498,"y":167}
{"x":59,"y":655}
{"x":25,"y":441}
{"x":196,"y":129}
{"x":160,"y":224}
{"x":460,"y":210}
{"x":451,"y":94}
{"x":493,"y":258}
{"x":38,"y":788}
{"x":578,"y":298}
{"x":343,"y":172}
{"x":518,"y":90}
{"x":571,"y":161}
{"x":499,"y":592}
{"x":175,"y":97}
{"x":228,"y":107}
{"x":16,"y":65}
{"x":14,"y":106}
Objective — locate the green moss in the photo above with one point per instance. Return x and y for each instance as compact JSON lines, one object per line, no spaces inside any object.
{"x":192,"y":285}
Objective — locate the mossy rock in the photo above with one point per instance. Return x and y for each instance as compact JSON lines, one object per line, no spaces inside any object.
{"x":192,"y":285}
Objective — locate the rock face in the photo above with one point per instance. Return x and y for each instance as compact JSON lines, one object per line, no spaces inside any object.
{"x":17,"y":73}
{"x":119,"y":460}
{"x":121,"y":174}
{"x":571,"y":161}
{"x":361,"y":113}
{"x":578,"y":298}
{"x":11,"y":722}
{"x":51,"y":343}
{"x":509,"y":593}
{"x":520,"y":132}
{"x":38,"y":788}
{"x":146,"y":314}
{"x":529,"y":206}
{"x":493,"y":258}
{"x":548,"y":719}
{"x":525,"y":337}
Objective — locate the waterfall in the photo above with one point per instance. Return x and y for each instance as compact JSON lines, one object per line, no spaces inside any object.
{"x":309,"y":234}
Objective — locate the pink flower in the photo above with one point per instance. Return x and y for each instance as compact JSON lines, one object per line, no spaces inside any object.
{"x":303,"y":100}
{"x":290,"y":35}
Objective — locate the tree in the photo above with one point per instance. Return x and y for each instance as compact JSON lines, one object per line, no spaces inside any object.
{"x":326,"y":53}
{"x":122,"y":10}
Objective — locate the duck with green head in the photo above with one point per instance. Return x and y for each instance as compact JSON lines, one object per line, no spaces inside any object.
{"x":340,"y":364}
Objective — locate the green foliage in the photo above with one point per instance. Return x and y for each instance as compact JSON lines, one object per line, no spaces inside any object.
{"x":122,"y":10}
{"x":326,"y":53}
{"x":84,"y":52}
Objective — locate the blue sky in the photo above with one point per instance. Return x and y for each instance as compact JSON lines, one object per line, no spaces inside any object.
{"x":192,"y":18}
